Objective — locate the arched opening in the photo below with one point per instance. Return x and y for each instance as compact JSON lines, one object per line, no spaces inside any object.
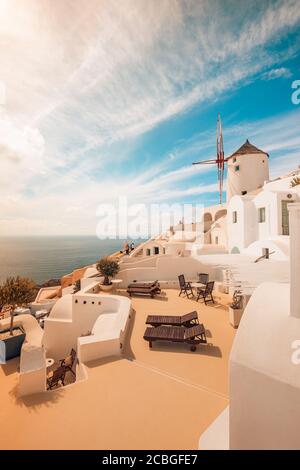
{"x":208,"y":220}
{"x":235,"y":250}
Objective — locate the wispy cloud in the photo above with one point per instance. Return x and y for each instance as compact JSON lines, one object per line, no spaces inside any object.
{"x":281,"y":72}
{"x":85,"y":80}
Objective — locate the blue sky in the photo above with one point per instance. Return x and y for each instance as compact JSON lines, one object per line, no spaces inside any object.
{"x":107,"y":99}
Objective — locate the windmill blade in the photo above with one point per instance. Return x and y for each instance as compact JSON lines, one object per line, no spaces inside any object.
{"x":220,"y":158}
{"x":205,"y":162}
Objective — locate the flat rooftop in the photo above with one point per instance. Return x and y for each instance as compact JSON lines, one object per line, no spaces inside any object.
{"x":159,"y":398}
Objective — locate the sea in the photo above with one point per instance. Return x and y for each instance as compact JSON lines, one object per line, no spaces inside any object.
{"x":44,"y":258}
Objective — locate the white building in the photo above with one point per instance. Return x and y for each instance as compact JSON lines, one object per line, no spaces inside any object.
{"x":254,"y":218}
{"x":264,"y":407}
{"x":260,"y":219}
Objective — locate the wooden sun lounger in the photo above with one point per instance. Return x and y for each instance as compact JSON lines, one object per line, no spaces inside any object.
{"x":187,"y":320}
{"x":146,"y":285}
{"x":193,"y":335}
{"x":151,"y":291}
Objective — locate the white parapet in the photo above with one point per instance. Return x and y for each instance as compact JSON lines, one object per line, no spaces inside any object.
{"x":92,"y":323}
{"x":32,"y":377}
{"x":294,"y":215}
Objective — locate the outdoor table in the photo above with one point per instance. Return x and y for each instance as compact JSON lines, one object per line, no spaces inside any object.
{"x":49,"y":362}
{"x":196,"y":285}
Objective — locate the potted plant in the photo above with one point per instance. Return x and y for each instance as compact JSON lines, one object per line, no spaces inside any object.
{"x":108,"y":267}
{"x":14,"y":292}
{"x":236,"y":308}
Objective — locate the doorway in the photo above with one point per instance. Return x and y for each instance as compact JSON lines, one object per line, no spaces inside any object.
{"x":285,"y":217}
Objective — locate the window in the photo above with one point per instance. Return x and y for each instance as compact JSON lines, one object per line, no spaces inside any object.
{"x":237,"y":168}
{"x":156,"y":250}
{"x":217,"y":240}
{"x":234,"y":217}
{"x":234,"y":159}
{"x":261,"y":215}
{"x":148,"y":252}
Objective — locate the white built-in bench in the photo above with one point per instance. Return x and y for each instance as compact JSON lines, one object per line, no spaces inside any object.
{"x":107,"y":335}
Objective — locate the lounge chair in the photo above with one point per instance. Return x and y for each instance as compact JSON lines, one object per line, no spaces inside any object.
{"x":185,"y":287}
{"x":150,"y":290}
{"x":187,"y":320}
{"x":56,"y":377}
{"x":206,"y":292}
{"x":203,"y":278}
{"x":154,"y":284}
{"x":69,"y":361}
{"x":178,"y":334}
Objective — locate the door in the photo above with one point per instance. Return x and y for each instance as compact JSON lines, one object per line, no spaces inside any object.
{"x":285,"y":217}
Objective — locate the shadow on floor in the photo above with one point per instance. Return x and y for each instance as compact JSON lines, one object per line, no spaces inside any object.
{"x":12,"y":366}
{"x":180,"y":348}
{"x":208,"y":333}
{"x":38,"y":400}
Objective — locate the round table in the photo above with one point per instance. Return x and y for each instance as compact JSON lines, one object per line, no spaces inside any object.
{"x":194,"y":285}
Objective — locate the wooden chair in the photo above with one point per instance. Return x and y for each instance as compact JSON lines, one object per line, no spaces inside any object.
{"x":56,"y":377}
{"x":206,"y":292}
{"x":185,"y":287}
{"x":187,"y":320}
{"x":203,"y":278}
{"x":69,"y":361}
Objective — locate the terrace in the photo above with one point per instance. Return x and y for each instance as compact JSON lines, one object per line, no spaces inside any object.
{"x":163,"y":398}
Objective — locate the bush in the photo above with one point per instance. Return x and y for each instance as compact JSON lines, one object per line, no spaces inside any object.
{"x":16,"y":291}
{"x":108,"y":268}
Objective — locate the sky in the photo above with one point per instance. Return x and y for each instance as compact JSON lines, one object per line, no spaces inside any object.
{"x":106,"y":98}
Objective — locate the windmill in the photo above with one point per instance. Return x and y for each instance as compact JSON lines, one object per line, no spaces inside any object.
{"x":220,"y":160}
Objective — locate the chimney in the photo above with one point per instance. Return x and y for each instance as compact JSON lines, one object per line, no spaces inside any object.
{"x":294,"y":216}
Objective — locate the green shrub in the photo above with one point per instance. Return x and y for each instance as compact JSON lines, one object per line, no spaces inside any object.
{"x":108,"y":268}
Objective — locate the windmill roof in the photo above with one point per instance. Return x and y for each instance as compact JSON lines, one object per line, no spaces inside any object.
{"x":246,"y":149}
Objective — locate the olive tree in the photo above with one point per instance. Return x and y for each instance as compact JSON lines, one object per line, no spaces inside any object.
{"x":108,"y":267}
{"x":15,"y":292}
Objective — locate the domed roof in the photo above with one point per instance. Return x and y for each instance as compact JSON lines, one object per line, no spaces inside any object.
{"x":247,"y":149}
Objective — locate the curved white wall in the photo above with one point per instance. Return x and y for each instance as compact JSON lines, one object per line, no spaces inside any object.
{"x":75,"y":315}
{"x":264,"y":382}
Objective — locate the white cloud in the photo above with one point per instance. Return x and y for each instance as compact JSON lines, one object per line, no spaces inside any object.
{"x":281,"y":72}
{"x":81,"y":76}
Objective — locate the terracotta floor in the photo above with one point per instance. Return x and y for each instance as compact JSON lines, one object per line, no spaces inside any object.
{"x":162,"y":398}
